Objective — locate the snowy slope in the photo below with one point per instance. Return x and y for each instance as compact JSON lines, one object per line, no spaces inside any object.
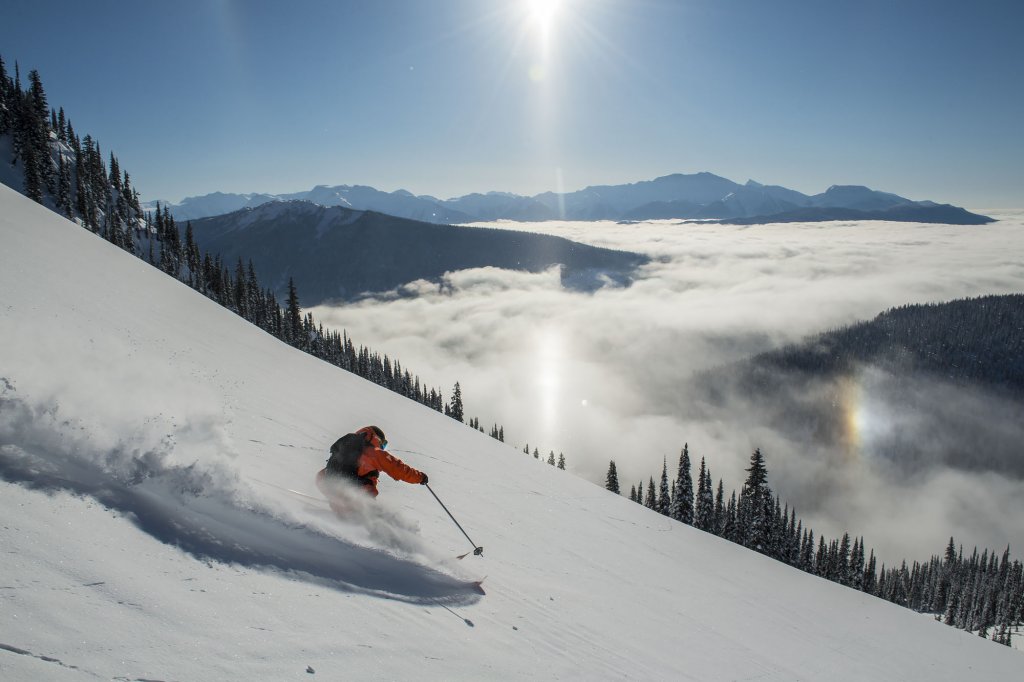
{"x":140,"y":425}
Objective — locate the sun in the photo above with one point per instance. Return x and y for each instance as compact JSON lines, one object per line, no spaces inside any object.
{"x":543,"y":17}
{"x":543,"y":12}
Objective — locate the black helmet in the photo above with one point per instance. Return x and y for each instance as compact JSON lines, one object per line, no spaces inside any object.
{"x":374,"y":432}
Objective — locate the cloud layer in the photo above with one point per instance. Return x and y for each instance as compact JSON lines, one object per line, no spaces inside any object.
{"x":601,"y":376}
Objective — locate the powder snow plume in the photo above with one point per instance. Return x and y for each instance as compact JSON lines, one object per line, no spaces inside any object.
{"x":203,"y":508}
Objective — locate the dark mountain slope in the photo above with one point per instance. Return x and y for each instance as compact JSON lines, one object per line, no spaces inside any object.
{"x":336,"y":253}
{"x":907,"y":213}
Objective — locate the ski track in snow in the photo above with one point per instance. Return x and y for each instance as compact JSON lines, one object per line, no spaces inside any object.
{"x":45,"y":659}
{"x":202,"y":510}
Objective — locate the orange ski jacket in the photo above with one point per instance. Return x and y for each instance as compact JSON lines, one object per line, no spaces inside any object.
{"x":373,"y":460}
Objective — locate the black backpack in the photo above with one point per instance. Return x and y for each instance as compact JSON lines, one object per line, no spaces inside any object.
{"x":344,"y":460}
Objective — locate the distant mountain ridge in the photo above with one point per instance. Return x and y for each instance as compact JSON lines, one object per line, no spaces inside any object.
{"x":336,"y":253}
{"x":701,"y":196}
{"x":400,"y":203}
{"x":904,"y":213}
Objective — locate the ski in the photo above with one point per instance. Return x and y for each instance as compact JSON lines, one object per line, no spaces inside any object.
{"x":318,"y":500}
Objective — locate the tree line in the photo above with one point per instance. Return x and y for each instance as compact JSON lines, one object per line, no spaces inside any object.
{"x":983,"y":594}
{"x":62,"y":170}
{"x":560,"y":463}
{"x":68,"y":174}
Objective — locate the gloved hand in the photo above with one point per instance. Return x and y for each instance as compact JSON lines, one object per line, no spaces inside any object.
{"x":424,"y":481}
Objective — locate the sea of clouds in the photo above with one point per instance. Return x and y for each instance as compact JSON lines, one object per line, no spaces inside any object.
{"x":603,"y":376}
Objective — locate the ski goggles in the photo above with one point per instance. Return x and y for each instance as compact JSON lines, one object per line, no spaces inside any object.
{"x":383,"y":444}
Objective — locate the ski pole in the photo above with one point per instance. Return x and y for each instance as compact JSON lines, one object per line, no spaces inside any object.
{"x":478,"y":551}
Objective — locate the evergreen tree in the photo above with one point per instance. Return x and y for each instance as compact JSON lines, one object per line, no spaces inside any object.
{"x":561,"y":461}
{"x":844,"y":575}
{"x":611,"y":481}
{"x":193,"y":263}
{"x":857,"y":564}
{"x":240,"y":290}
{"x":807,"y":552}
{"x":731,"y":529}
{"x":551,"y":458}
{"x":821,"y":559}
{"x":32,"y":140}
{"x":651,"y":502}
{"x":869,"y":575}
{"x":5,"y":99}
{"x":794,"y":533}
{"x":64,"y":205}
{"x":718,"y":518}
{"x":293,"y":316}
{"x":456,"y":405}
{"x":755,"y":498}
{"x":664,"y":496}
{"x":704,"y":505}
{"x":682,"y":498}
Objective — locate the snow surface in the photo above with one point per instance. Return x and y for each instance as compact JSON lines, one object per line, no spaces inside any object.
{"x":147,"y":437}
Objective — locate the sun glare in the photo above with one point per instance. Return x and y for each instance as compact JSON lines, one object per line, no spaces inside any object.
{"x":543,"y":12}
{"x":543,"y":15}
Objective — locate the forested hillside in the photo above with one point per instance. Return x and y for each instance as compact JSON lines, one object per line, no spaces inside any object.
{"x":976,"y":340}
{"x":918,"y":386}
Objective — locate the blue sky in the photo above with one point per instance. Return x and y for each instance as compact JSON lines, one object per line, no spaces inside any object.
{"x":447,"y":97}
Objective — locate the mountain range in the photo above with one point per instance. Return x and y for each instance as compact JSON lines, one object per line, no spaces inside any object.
{"x":336,"y":253}
{"x":698,"y":196}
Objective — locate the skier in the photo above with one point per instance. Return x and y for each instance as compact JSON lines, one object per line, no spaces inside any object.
{"x":359,"y":458}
